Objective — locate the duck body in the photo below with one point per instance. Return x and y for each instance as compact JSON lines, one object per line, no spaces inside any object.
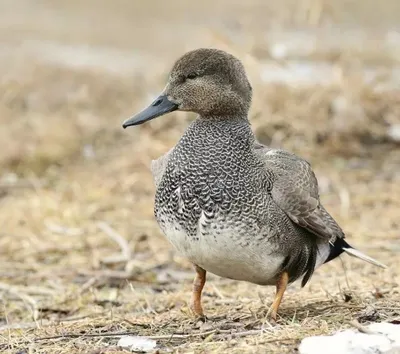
{"x":214,"y":204}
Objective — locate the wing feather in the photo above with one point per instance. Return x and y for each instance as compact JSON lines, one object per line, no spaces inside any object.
{"x":295,"y":191}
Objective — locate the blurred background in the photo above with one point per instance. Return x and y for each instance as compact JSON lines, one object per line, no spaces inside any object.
{"x":79,"y":246}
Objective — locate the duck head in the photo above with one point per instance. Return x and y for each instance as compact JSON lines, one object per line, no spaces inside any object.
{"x":209,"y":82}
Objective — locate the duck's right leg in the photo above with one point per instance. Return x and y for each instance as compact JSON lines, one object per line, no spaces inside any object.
{"x":281,"y":285}
{"x":198,"y":285}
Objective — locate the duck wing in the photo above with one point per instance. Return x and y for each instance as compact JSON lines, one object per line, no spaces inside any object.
{"x":295,"y":191}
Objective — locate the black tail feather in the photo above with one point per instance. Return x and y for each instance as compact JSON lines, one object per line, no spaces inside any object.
{"x":337,"y":249}
{"x":340,"y":246}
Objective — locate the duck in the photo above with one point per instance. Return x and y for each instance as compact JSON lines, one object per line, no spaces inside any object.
{"x":229,"y":204}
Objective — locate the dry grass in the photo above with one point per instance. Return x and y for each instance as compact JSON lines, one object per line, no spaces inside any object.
{"x":74,"y":186}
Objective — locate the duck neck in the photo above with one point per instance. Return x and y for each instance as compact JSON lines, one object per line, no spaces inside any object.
{"x":224,"y":119}
{"x":212,"y":131}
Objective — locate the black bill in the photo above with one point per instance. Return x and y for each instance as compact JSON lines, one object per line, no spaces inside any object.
{"x":160,"y":106}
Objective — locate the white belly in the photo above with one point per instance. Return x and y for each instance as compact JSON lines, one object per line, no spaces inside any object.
{"x":228,"y":255}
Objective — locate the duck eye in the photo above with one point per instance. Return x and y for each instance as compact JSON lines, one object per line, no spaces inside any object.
{"x":191,"y":76}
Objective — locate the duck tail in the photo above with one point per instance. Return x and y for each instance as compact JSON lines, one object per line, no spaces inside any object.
{"x":340,"y":246}
{"x":358,"y":254}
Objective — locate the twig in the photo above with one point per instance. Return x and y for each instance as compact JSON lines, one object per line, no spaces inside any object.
{"x":218,"y":292}
{"x":345,"y":274}
{"x":107,"y":274}
{"x":393,"y":308}
{"x":351,"y":307}
{"x":145,"y":325}
{"x":241,"y":334}
{"x":116,"y":237}
{"x":63,"y":230}
{"x":360,"y":327}
{"x":127,"y":333}
{"x":273,"y":340}
{"x":87,"y":285}
{"x":79,"y":318}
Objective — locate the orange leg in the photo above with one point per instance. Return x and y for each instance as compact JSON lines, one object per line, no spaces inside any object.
{"x":198,"y":285}
{"x":281,"y":285}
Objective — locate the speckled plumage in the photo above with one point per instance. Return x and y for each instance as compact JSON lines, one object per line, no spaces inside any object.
{"x":218,"y":178}
{"x":231,"y":205}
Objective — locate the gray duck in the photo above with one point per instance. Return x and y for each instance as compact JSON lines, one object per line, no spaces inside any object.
{"x":232,"y":206}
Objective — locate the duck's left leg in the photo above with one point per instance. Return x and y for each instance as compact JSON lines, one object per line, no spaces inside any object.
{"x":281,"y":285}
{"x":198,"y":285}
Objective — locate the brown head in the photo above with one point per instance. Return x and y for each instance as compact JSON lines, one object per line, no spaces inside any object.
{"x":209,"y":82}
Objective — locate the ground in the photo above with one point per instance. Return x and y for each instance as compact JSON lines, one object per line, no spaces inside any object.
{"x":82,"y":259}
